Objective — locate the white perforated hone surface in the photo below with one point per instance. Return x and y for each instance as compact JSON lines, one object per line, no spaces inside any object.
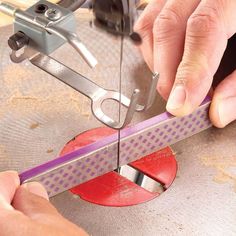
{"x":81,"y":170}
{"x":132,"y":147}
{"x":166,"y":133}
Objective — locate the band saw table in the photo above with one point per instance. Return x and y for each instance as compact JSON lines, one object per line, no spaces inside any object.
{"x":39,"y":115}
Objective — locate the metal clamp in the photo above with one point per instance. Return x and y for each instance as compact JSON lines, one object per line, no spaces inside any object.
{"x":44,"y":23}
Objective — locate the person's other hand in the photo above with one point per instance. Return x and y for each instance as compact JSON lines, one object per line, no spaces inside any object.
{"x":184,"y":41}
{"x":25,"y":210}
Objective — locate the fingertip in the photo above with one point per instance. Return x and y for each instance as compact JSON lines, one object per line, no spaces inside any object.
{"x":9,"y":182}
{"x":37,"y":189}
{"x":32,"y":200}
{"x":214,"y":113}
{"x":11,"y":175}
{"x":185,"y":110}
{"x":163,"y":90}
{"x":178,"y":102}
{"x":222,"y":111}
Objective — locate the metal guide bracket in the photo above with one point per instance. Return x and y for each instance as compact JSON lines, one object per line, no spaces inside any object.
{"x":49,"y":21}
{"x":93,"y":91}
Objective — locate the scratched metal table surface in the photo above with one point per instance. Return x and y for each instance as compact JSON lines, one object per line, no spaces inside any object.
{"x":38,"y":115}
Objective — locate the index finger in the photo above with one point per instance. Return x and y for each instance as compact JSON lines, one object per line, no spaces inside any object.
{"x":208,"y":30}
{"x":144,"y":27}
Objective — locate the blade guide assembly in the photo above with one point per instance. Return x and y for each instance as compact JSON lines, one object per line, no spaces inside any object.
{"x":45,"y":27}
{"x":99,"y":158}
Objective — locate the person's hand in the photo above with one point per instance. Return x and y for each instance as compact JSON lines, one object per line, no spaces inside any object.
{"x":184,"y":41}
{"x":25,"y":210}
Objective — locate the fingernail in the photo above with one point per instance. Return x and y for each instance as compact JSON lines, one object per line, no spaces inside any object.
{"x":226,"y":110}
{"x":177,"y":98}
{"x":37,"y":189}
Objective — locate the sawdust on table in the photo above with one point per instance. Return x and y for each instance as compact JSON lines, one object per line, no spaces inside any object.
{"x":50,"y":103}
{"x":34,"y":99}
{"x":50,"y":150}
{"x":224,"y":167}
{"x":34,"y":125}
{"x":10,"y":72}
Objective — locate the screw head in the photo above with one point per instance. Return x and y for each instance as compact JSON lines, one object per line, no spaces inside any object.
{"x":53,"y":14}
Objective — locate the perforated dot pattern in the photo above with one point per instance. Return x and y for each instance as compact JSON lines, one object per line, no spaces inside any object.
{"x":80,"y":170}
{"x":132,"y":147}
{"x":166,"y":133}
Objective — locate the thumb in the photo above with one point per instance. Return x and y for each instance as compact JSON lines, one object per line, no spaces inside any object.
{"x":32,"y":200}
{"x":36,"y":188}
{"x":202,"y":54}
{"x":9,"y":182}
{"x":223,"y":110}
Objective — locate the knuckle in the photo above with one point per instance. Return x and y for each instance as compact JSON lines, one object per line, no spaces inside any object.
{"x":186,"y":73}
{"x":203,"y":23}
{"x":143,"y":25}
{"x":166,"y":23}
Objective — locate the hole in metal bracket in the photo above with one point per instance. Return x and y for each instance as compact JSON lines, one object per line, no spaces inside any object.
{"x":41,"y":8}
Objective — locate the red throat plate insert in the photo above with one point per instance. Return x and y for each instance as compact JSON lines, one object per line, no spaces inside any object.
{"x":114,"y":190}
